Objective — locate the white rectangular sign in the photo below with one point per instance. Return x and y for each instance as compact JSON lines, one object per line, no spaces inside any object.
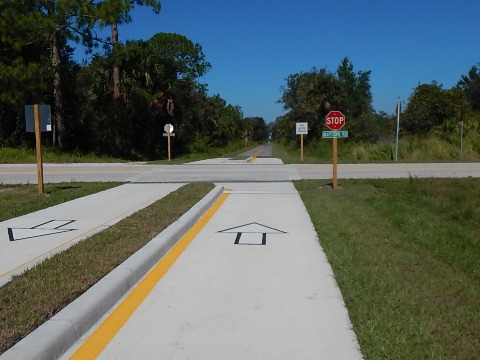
{"x":301,"y":128}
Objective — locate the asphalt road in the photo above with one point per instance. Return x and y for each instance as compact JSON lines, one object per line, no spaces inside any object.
{"x":260,"y":168}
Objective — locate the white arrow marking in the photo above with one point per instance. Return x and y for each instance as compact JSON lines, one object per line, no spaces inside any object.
{"x":51,"y":227}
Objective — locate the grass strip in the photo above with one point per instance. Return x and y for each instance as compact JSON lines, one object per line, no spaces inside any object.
{"x":25,"y":155}
{"x":405,"y":254}
{"x":35,"y":296}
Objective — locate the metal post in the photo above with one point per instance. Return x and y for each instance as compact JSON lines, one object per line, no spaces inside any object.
{"x":461,"y":131}
{"x":461,"y":140}
{"x":398,"y":128}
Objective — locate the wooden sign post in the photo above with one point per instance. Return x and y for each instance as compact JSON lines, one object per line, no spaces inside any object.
{"x":335,"y":161}
{"x":169,"y":133}
{"x":38,"y":118}
{"x":301,"y":129}
{"x":38,"y":140}
{"x":334,"y":120}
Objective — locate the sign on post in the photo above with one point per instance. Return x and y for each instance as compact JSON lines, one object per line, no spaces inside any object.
{"x":335,"y":120}
{"x":168,"y":133}
{"x":168,"y":128}
{"x":45,"y":118}
{"x":38,"y":119}
{"x":301,"y":128}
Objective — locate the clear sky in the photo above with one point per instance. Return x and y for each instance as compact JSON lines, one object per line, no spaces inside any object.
{"x":253,"y":45}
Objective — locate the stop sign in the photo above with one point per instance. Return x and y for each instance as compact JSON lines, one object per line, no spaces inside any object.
{"x":335,"y":120}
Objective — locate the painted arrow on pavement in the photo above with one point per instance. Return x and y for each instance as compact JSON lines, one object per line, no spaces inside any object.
{"x":51,"y":227}
{"x":252,"y":234}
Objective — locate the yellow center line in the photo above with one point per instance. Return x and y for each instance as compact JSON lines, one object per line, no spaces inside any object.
{"x":255,"y":154}
{"x":102,"y":336}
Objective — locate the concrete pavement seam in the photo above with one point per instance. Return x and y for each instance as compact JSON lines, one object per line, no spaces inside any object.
{"x":57,"y":335}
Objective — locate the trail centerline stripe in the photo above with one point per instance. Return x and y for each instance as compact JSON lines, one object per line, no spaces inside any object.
{"x":102,"y":336}
{"x":254,"y":156}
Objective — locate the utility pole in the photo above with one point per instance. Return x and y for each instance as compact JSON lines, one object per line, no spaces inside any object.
{"x":399,"y":109}
{"x":461,"y":130}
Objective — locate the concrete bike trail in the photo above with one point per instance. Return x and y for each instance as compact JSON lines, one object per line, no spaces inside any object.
{"x":28,"y":239}
{"x":249,"y":281}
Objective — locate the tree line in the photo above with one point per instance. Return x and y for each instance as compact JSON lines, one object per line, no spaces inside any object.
{"x":119,"y":102}
{"x":431,"y":110}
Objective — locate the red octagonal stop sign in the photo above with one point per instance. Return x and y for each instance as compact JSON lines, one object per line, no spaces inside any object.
{"x":335,"y":120}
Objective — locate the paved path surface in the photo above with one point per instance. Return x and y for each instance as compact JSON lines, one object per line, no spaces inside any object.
{"x":229,"y":170}
{"x":253,"y":284}
{"x":28,"y":239}
{"x":388,"y":171}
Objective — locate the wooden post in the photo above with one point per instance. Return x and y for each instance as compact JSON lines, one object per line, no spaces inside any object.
{"x":334,"y":182}
{"x":301,"y":147}
{"x":38,"y":138}
{"x":169,"y":151}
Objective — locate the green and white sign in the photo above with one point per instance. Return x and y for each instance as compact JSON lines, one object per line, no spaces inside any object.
{"x":334,"y":134}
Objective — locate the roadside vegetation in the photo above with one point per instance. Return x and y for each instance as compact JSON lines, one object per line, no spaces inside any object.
{"x":405,"y":254}
{"x":118,"y":102}
{"x":26,"y":155}
{"x":116,"y":105}
{"x":434,"y":124}
{"x":48,"y":287}
{"x":410,"y":149}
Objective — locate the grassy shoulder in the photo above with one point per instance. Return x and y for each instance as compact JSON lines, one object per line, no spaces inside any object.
{"x":47,"y":288}
{"x":410,"y":149}
{"x":405,"y":255}
{"x":24,"y":155}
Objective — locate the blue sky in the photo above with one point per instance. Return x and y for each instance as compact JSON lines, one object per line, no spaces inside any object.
{"x":253,"y":45}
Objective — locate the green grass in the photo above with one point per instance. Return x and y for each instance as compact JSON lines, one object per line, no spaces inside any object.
{"x":24,"y":155}
{"x":405,"y":254}
{"x":410,"y":149}
{"x":53,"y":284}
{"x":291,"y":155}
